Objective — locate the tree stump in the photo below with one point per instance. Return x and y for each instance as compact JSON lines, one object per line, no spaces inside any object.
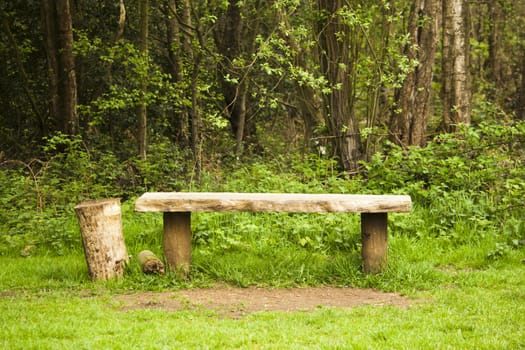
{"x":150,"y":263}
{"x":101,"y":228}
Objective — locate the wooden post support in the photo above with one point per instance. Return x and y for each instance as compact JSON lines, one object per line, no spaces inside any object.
{"x":177,"y":241}
{"x":374,"y":241}
{"x":101,"y":228}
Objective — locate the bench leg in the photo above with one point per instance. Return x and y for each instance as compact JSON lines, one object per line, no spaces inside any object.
{"x":374,"y":241}
{"x":177,"y":241}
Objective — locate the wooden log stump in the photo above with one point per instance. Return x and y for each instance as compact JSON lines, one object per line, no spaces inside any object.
{"x":150,"y":263}
{"x":101,"y":228}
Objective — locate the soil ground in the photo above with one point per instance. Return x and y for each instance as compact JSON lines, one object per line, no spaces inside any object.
{"x":237,"y":302}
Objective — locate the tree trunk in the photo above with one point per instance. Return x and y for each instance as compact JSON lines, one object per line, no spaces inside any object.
{"x":337,"y":66}
{"x":495,"y":56}
{"x":412,"y":102}
{"x":455,"y":65}
{"x":232,"y":40}
{"x":61,"y":64}
{"x":194,"y":59}
{"x":520,"y":109}
{"x":308,"y":100}
{"x":21,"y":69}
{"x":195,"y":119}
{"x":177,"y":48}
{"x":142,"y":107}
{"x":102,"y":238}
{"x":515,"y":18}
{"x":121,"y":21}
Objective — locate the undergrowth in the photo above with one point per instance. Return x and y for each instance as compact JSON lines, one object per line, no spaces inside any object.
{"x":467,"y":189}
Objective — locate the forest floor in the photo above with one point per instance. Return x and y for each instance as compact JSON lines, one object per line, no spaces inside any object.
{"x":235,"y":303}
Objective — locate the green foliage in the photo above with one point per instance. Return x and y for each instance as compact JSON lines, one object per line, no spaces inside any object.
{"x":467,"y":191}
{"x":470,"y":184}
{"x":167,"y":168}
{"x":38,"y":197}
{"x":466,"y":229}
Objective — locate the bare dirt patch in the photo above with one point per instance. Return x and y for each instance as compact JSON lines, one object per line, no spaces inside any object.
{"x":237,"y":302}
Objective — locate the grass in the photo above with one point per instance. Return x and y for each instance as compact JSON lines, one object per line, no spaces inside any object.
{"x":459,"y":253}
{"x":478,"y":309}
{"x":466,"y":299}
{"x":467,"y":279}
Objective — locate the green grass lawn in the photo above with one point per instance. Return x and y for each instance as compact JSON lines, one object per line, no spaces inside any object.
{"x":458,"y":255}
{"x":468,"y":289}
{"x":49,"y":303}
{"x":455,"y":318}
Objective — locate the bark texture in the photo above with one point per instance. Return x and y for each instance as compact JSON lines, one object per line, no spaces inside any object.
{"x":520,"y":110}
{"x":177,"y":241}
{"x":455,"y":65}
{"x":101,"y":228}
{"x":374,"y":240}
{"x":58,"y":31}
{"x":142,"y":107}
{"x":412,"y":110}
{"x":337,"y":65}
{"x":177,"y":48}
{"x":233,"y":38}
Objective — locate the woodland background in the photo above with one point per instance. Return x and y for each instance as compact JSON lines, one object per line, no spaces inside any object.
{"x":114,"y":98}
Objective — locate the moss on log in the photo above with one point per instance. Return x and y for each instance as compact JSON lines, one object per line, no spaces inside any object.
{"x":150,"y":263}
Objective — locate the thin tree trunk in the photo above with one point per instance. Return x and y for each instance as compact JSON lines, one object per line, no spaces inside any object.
{"x":21,"y":70}
{"x":61,"y":64}
{"x":196,"y":120}
{"x":455,"y":65}
{"x":68,"y":81}
{"x":228,"y":41}
{"x":119,"y":32}
{"x":194,"y":56}
{"x":50,"y":30}
{"x":337,"y":66}
{"x":309,"y":100}
{"x":520,"y":110}
{"x":413,"y":100}
{"x":121,"y":21}
{"x":233,"y":39}
{"x":494,"y":43}
{"x":142,"y":107}
{"x":240,"y":118}
{"x":176,"y":49}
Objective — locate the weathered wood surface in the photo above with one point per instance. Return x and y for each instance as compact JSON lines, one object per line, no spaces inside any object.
{"x":177,"y":241}
{"x":374,"y":241}
{"x":101,"y":228}
{"x":271,"y":202}
{"x":150,"y":263}
{"x":177,"y":208}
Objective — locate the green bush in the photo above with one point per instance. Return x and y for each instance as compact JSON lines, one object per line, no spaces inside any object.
{"x":467,"y":185}
{"x":466,"y":188}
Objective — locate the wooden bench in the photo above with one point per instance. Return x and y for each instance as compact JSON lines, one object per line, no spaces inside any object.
{"x":177,"y":208}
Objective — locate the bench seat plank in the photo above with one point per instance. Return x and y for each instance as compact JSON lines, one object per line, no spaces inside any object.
{"x":271,"y":202}
{"x":178,"y":206}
